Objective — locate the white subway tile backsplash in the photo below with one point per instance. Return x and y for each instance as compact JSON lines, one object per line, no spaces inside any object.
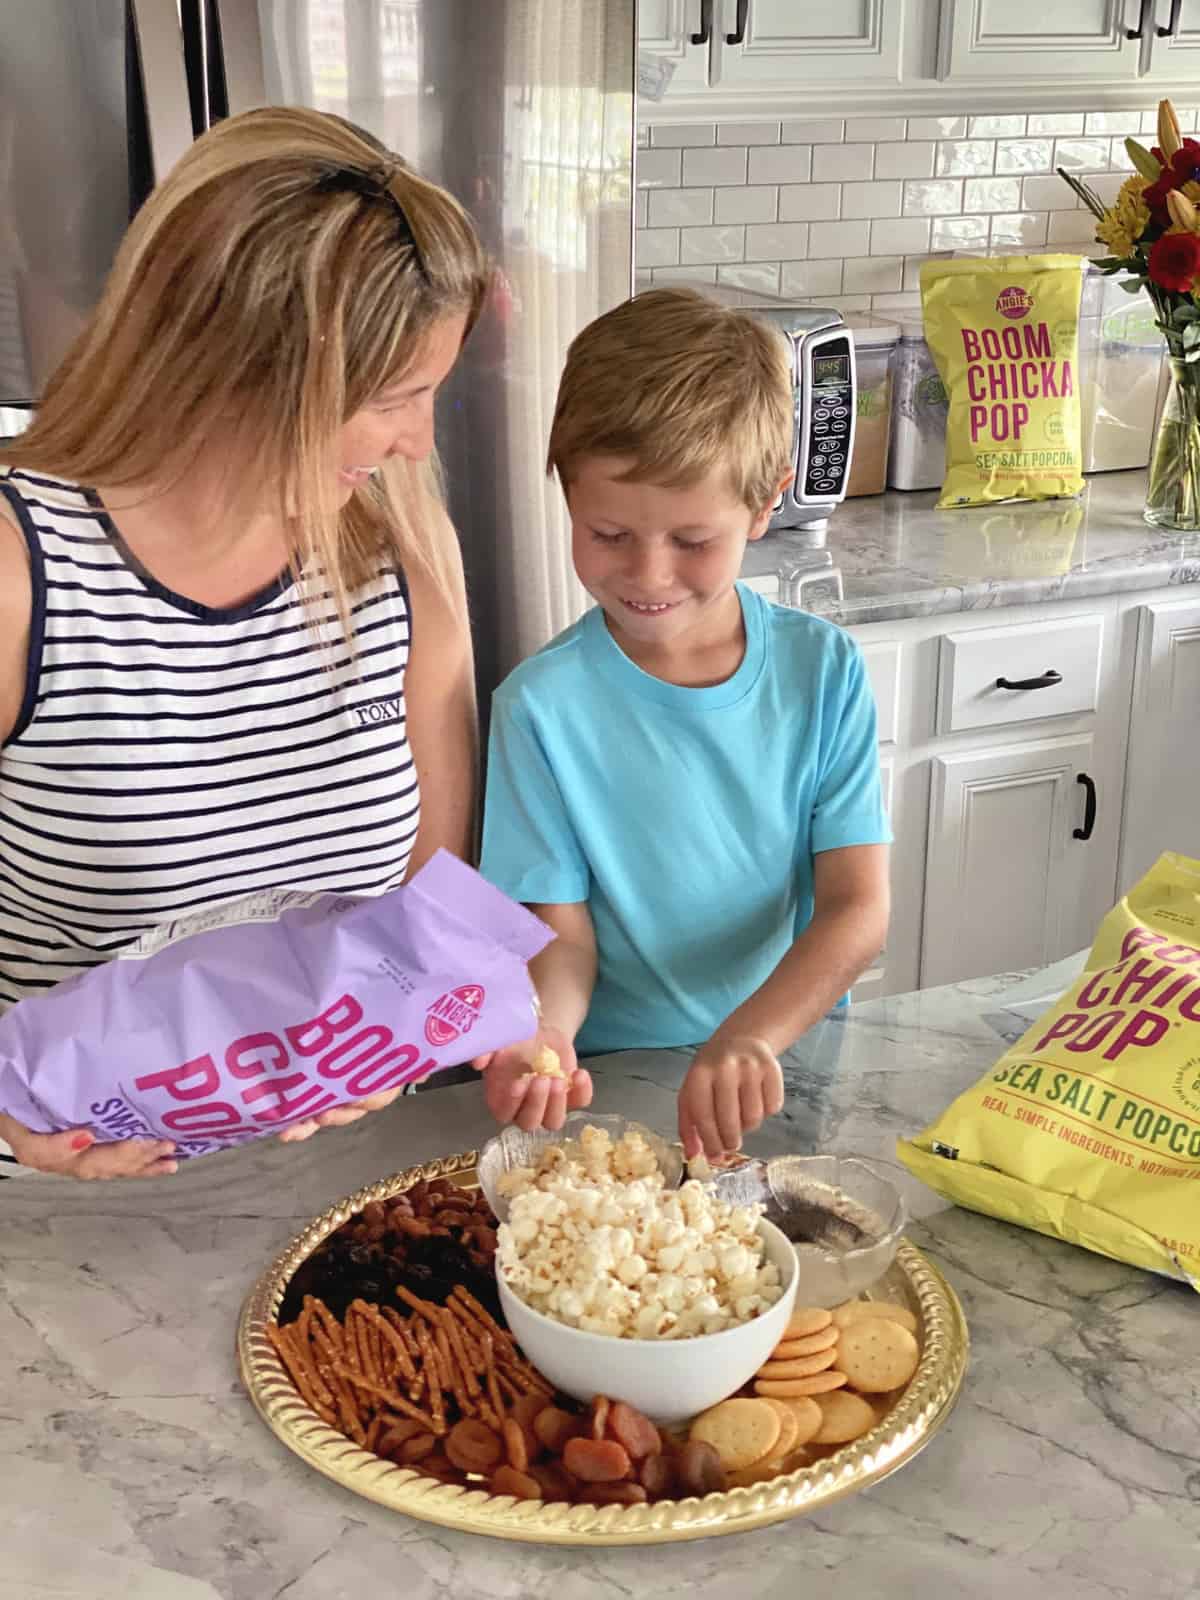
{"x":992,"y":194}
{"x":828,"y":239}
{"x":684,"y":275}
{"x":810,"y":202}
{"x":1082,"y":155}
{"x":929,"y":198}
{"x":747,"y":133}
{"x":804,"y":131}
{"x":966,"y":156}
{"x":673,"y":137}
{"x":658,"y":247}
{"x":1020,"y":230}
{"x":904,"y":236}
{"x":937,"y":127}
{"x":755,"y":203}
{"x":801,"y":280}
{"x":657,"y":169}
{"x":871,"y":199}
{"x":699,"y":246}
{"x":873,"y":275}
{"x":844,"y":211}
{"x":1046,"y":194}
{"x":788,"y":163}
{"x":1024,"y":155}
{"x":760,"y":277}
{"x":680,"y":208}
{"x":958,"y":233}
{"x":1113,"y":122}
{"x":777,"y":241}
{"x":842,"y":163}
{"x":875,"y":130}
{"x":1066,"y":123}
{"x":913,"y":159}
{"x":706,"y":167}
{"x":1009,"y":127}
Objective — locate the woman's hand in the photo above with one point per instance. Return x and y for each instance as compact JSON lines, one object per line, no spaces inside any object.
{"x":75,"y":1153}
{"x":339,"y":1116}
{"x":515,"y":1093}
{"x":732,"y":1086}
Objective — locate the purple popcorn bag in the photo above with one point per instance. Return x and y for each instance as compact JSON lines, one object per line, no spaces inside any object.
{"x":231,"y":1025}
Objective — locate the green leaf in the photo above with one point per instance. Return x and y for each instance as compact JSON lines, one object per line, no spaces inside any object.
{"x":1131,"y":288}
{"x":1142,"y":160}
{"x":1191,"y":335}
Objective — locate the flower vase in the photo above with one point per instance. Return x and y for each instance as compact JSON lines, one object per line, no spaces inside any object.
{"x":1173,"y":495}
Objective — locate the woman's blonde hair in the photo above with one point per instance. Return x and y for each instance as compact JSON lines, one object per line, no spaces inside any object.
{"x":684,"y":386}
{"x":286,"y":270}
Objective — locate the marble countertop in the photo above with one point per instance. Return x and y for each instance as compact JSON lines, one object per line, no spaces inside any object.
{"x":135,"y":1469}
{"x":899,"y":557}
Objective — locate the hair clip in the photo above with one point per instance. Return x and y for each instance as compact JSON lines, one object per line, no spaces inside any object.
{"x":371,"y":184}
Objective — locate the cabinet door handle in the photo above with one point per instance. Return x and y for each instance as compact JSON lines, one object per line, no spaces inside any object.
{"x":1089,"y":806}
{"x":738,"y":36}
{"x":1047,"y":681}
{"x":706,"y":14}
{"x":1172,"y":27}
{"x":1137,"y":33}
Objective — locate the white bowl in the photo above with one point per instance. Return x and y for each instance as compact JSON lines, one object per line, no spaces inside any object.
{"x":668,"y":1379}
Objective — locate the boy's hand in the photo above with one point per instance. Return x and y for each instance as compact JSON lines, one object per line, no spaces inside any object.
{"x":732,"y":1086}
{"x":516,"y":1094}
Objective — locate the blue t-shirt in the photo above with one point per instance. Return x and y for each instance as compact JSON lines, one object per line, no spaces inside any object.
{"x":687,"y":819}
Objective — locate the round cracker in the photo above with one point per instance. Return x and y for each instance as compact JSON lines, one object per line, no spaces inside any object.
{"x":787,"y":1388}
{"x":844,"y":1416}
{"x":877,"y":1354}
{"x":808,"y":1418}
{"x":789,"y":1428}
{"x":759,"y":1472}
{"x":813,"y":1344}
{"x":856,"y":1310}
{"x":741,"y":1431}
{"x":804,"y":1367}
{"x":805,"y":1320}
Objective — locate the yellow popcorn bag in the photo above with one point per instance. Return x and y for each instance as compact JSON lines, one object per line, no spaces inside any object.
{"x":1088,"y":1128}
{"x":1005,"y":336}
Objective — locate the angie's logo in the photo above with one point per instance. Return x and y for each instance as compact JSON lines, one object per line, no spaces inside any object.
{"x":388,"y":708}
{"x":454,"y":1014}
{"x":1014,"y":302}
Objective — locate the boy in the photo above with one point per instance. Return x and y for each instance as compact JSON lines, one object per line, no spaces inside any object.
{"x":684,"y":784}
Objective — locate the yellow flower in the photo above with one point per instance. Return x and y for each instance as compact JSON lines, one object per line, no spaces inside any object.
{"x":1125,"y":220}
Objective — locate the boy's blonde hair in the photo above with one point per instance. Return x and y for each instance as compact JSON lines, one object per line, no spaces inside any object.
{"x":683,"y":385}
{"x":258,"y":299}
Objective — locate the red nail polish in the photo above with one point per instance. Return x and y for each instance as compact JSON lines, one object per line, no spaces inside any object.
{"x":83,"y":1141}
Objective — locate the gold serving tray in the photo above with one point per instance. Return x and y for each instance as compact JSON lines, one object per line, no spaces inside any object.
{"x":910,"y":1425}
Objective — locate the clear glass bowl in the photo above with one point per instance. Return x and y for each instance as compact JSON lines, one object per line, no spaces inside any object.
{"x":843,"y":1216}
{"x":516,"y":1148}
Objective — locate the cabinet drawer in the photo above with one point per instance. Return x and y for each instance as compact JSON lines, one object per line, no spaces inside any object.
{"x":970,"y":663}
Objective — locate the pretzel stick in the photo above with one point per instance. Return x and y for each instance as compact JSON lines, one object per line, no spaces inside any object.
{"x":423,"y":1308}
{"x":373,"y":1432}
{"x":351,"y":1424}
{"x":492,"y":1377}
{"x":299,"y":1374}
{"x":301,"y":1333}
{"x":393,"y":1338}
{"x":329,"y":1323}
{"x":395,"y":1401}
{"x":457,"y":1382}
{"x":429,"y":1357}
{"x":455,"y":1339}
{"x":357,"y":1319}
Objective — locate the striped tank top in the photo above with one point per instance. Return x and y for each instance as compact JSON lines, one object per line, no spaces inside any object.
{"x":168,"y":755}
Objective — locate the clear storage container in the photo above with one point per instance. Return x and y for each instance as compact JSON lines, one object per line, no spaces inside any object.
{"x":917,"y":459}
{"x":874,"y":346}
{"x":1120,"y":361}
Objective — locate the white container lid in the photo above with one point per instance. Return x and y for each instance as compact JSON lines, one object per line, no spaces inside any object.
{"x":873,"y":335}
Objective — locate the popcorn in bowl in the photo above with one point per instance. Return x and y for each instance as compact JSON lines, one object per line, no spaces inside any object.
{"x":595,"y":1240}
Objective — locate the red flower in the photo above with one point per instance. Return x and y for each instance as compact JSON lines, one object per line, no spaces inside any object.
{"x":1175,"y":261}
{"x":1155,"y":196}
{"x":1185,"y":163}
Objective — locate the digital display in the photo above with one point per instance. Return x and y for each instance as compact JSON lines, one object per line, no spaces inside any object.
{"x":830,"y":369}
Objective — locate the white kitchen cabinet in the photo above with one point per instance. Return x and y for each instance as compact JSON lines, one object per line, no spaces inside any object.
{"x":1162,"y":784}
{"x":1175,"y":53}
{"x":1006,"y":877}
{"x":1024,"y":41}
{"x":786,"y":46}
{"x":666,"y":28}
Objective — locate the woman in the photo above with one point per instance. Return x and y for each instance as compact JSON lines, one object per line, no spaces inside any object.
{"x":233,"y":630}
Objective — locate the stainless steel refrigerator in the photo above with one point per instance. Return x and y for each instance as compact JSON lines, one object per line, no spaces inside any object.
{"x":524,"y":108}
